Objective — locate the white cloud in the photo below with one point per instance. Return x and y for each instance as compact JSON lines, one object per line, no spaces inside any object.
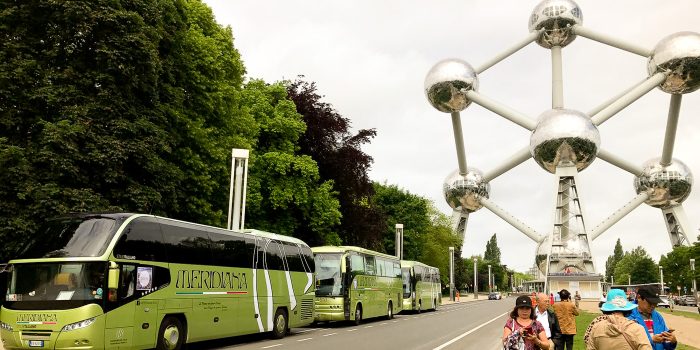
{"x":369,"y":59}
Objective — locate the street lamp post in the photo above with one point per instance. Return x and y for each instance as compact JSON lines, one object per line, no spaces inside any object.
{"x":490,"y":285}
{"x":629,"y":279}
{"x":661,"y":275}
{"x":452,"y":273}
{"x":476,"y":276}
{"x":692,"y":269}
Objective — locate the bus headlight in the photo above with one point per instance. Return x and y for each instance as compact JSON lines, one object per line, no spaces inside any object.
{"x":78,"y":325}
{"x":5,"y":326}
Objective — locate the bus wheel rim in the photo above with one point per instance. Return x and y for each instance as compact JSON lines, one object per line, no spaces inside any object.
{"x":280,"y":323}
{"x":171,"y":336}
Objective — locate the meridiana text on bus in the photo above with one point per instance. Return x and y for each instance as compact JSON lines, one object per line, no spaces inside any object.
{"x":210,"y":279}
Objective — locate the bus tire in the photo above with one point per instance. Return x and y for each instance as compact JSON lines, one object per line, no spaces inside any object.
{"x":358,"y":315}
{"x":420,"y":306}
{"x":435,"y":305}
{"x":171,"y":335}
{"x":390,"y":311}
{"x":280,"y":324}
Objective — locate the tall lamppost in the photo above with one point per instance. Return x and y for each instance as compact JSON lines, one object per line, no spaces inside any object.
{"x":661,"y":275}
{"x":452,"y":273}
{"x":692,"y":270}
{"x":476,"y":280}
{"x":490,"y":285}
{"x":629,"y":279}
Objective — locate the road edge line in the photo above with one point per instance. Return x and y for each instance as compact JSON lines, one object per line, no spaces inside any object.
{"x":468,"y":332}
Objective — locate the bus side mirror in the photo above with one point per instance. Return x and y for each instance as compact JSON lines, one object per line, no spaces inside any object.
{"x":113,"y":276}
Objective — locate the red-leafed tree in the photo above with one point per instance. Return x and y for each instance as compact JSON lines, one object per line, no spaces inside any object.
{"x":341,"y":159}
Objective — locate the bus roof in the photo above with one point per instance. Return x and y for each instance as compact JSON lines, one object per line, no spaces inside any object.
{"x":347,"y":248}
{"x":411,"y":263}
{"x":125,"y":218}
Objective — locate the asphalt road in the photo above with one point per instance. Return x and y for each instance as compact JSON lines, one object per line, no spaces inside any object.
{"x":469,"y":325}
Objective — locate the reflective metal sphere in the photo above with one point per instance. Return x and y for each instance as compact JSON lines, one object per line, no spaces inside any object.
{"x":669,"y":186}
{"x":564,"y":137}
{"x":463,"y":192}
{"x":571,"y":252}
{"x":679,"y":54}
{"x":556,"y":17}
{"x":446,"y":83}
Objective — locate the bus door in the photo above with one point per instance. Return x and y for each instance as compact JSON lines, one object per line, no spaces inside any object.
{"x":119,"y":325}
{"x":146,"y":322}
{"x":262,"y":290}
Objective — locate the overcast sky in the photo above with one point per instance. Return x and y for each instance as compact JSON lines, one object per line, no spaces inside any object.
{"x":369,"y":59}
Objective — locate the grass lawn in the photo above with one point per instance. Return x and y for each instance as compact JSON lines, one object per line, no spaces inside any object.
{"x":693,"y":315}
{"x":584,"y":319}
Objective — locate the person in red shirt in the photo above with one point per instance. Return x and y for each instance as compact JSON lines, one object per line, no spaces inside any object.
{"x":551,"y":298}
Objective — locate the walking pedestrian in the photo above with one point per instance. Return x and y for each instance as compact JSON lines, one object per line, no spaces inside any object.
{"x":602,"y":300}
{"x":577,"y":298}
{"x":613,"y":330}
{"x":566,"y":313}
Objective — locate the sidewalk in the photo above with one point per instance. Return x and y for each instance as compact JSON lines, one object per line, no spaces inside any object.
{"x":686,"y":328}
{"x":463,"y":299}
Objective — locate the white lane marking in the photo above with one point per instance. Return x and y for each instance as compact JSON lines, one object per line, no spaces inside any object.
{"x":271,"y":346}
{"x":310,"y":330}
{"x":329,"y":334}
{"x":394,"y":321}
{"x":352,"y":330}
{"x":369,"y":326}
{"x":383,"y":323}
{"x":305,"y":339}
{"x":469,"y":332}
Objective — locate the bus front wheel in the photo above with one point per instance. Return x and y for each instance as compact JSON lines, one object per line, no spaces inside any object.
{"x":390,"y":311}
{"x":420,"y":306}
{"x":358,"y":315}
{"x":280,"y":325}
{"x":171,"y":334}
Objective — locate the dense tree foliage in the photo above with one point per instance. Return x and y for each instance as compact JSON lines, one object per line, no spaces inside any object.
{"x":676,"y":267}
{"x":135,"y":105}
{"x":637,"y":267}
{"x":493,"y":253}
{"x":328,"y":140}
{"x":613,"y":259}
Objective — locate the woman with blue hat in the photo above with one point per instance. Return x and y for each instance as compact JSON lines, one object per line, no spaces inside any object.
{"x":613,"y":330}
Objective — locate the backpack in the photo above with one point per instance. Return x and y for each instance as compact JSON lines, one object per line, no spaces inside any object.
{"x":514,"y":341}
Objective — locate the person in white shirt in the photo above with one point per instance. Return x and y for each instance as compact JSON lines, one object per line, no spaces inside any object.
{"x":545,"y":315}
{"x":602,"y":300}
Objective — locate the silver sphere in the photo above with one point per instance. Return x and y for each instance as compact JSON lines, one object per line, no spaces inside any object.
{"x":567,"y":253}
{"x":668,"y":185}
{"x":678,"y":54}
{"x":446,"y":83}
{"x":564,"y":137}
{"x":463,"y":192}
{"x":556,"y":17}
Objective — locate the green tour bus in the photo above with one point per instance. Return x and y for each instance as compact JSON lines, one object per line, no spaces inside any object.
{"x":353,"y":284}
{"x":107,"y":281}
{"x":421,"y":286}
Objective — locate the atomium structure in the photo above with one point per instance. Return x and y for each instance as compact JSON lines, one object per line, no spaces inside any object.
{"x":564,"y":142}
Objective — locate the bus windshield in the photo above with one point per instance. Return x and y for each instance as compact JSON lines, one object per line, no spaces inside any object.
{"x":55,"y":285}
{"x":328,"y":276}
{"x":71,"y":237}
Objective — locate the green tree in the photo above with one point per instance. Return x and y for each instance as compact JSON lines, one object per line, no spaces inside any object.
{"x":435,"y":248}
{"x":135,"y":105}
{"x":613,"y":259}
{"x":638,"y":266}
{"x":400,"y":206}
{"x":328,"y":140}
{"x":676,"y":264}
{"x":493,"y":253}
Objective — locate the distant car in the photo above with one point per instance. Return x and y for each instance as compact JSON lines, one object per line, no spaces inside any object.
{"x":689,"y":300}
{"x":664,"y":302}
{"x":494,"y":296}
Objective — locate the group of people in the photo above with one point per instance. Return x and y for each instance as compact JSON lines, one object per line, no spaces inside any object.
{"x":624,"y":324}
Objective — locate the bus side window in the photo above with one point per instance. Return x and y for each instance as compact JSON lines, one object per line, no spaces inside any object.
{"x":369,"y":265}
{"x":357,"y":264}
